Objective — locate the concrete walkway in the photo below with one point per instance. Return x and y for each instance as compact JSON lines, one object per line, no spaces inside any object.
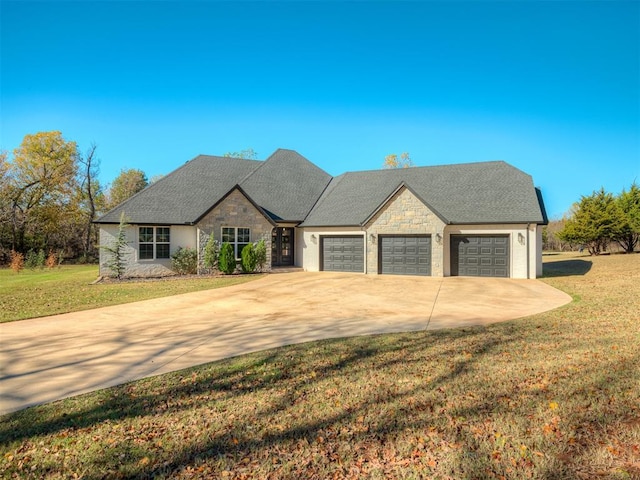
{"x":50,"y":358}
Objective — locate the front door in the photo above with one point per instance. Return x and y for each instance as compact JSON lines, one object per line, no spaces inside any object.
{"x":282,"y":246}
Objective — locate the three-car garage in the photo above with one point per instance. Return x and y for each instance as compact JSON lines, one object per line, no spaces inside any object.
{"x":470,"y":255}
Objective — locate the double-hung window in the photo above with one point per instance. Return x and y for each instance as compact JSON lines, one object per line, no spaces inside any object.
{"x":238,"y":237}
{"x":153,"y":243}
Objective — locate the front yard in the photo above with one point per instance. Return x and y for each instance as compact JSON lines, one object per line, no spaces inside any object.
{"x":555,"y":395}
{"x":37,"y":293}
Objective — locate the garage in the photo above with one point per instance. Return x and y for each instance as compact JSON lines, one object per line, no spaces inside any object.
{"x":342,"y":253}
{"x":405,"y":255}
{"x":480,"y":255}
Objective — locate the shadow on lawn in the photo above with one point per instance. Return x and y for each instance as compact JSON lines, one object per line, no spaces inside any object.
{"x":381,"y":414}
{"x":566,"y":268}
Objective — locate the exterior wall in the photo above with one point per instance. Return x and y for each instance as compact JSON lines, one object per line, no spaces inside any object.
{"x":309,"y":244}
{"x":536,"y":249}
{"x":523,"y":246}
{"x":181,"y":236}
{"x":405,"y":214}
{"x":234,"y":211}
{"x":298,"y":248}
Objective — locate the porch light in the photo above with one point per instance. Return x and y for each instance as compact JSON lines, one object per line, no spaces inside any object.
{"x":521,"y":238}
{"x":438,"y":238}
{"x":372,"y":237}
{"x":313,"y":237}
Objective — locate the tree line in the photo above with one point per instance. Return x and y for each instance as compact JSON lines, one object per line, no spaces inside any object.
{"x":598,"y":220}
{"x":50,"y":195}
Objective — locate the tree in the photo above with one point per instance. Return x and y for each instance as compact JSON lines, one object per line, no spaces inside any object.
{"x":90,"y":196}
{"x":247,"y":154}
{"x":594,"y":222}
{"x":40,"y":186}
{"x":126,"y":184}
{"x":628,"y":232}
{"x":393,"y":161}
{"x":117,"y":263}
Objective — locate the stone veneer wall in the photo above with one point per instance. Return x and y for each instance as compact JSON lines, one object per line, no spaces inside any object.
{"x":405,"y":214}
{"x":235,"y":211}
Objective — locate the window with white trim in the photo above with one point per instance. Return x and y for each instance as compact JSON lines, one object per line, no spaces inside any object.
{"x":154,"y":243}
{"x":238,"y":237}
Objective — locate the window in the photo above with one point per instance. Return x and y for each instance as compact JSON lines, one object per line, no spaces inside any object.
{"x":153,"y":243}
{"x":238,"y":237}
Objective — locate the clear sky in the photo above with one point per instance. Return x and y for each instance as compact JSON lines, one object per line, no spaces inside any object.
{"x":552,"y":87}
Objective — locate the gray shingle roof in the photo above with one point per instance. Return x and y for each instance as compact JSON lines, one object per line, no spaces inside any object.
{"x":185,"y":194}
{"x":286,"y":185}
{"x":486,"y":192}
{"x":290,"y":188}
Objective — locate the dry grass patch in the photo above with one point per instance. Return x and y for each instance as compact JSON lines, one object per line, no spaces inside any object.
{"x":555,"y":395}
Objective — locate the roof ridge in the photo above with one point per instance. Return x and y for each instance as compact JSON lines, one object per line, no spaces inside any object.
{"x":422,"y":167}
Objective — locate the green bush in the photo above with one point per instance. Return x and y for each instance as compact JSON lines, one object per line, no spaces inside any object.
{"x":227,"y":259}
{"x":185,"y":261}
{"x":211,"y":253}
{"x":35,"y":259}
{"x":248,"y":256}
{"x":261,"y":255}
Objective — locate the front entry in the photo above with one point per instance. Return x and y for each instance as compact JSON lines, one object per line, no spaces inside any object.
{"x":282,"y":247}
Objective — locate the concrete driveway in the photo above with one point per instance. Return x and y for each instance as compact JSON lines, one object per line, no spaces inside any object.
{"x":50,"y":358}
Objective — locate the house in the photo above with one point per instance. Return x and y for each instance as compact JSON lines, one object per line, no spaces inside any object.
{"x":474,"y":219}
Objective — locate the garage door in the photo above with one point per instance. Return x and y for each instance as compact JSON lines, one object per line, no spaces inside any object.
{"x":405,"y":255}
{"x":343,"y":254}
{"x":480,"y":255}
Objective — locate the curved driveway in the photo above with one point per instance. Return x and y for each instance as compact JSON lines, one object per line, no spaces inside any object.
{"x":49,"y":358}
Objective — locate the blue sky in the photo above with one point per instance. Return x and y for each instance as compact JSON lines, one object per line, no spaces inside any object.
{"x":551,"y":87}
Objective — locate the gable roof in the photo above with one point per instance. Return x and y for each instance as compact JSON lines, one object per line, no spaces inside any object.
{"x":471,"y":193}
{"x":184,"y":195}
{"x":286,"y":185}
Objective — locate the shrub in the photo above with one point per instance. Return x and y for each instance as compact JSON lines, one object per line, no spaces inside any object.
{"x":52,"y":260}
{"x":31,"y":260}
{"x":185,"y":261}
{"x":227,"y":259}
{"x":261,"y":254}
{"x":248,"y":257}
{"x":211,"y":250}
{"x":16,"y":261}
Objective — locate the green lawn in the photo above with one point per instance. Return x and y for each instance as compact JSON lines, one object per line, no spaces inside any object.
{"x":36,"y":293}
{"x":552,"y":396}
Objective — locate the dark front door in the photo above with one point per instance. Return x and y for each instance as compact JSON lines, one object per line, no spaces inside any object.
{"x":282,"y":246}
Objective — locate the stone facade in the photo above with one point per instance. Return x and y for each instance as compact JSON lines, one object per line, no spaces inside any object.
{"x":405,"y":214}
{"x":234,"y":211}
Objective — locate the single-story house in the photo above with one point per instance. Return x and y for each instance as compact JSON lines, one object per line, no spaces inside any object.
{"x":474,"y":219}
